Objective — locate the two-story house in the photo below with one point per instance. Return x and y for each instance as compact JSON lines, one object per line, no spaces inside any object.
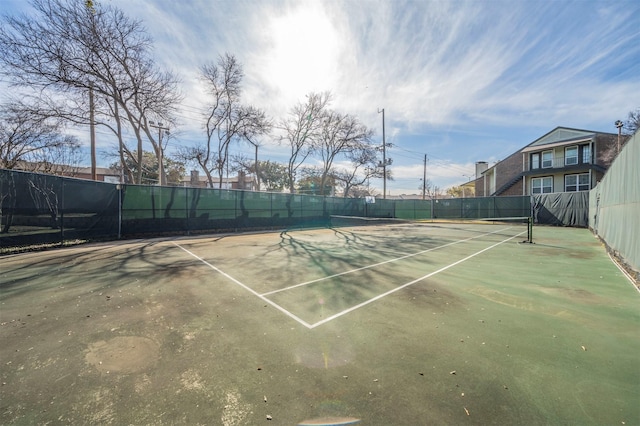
{"x":563,"y":160}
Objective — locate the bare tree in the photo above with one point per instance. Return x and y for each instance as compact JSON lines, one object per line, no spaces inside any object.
{"x":364,"y":166}
{"x":302,"y":129}
{"x":433,"y":191}
{"x":341,"y":135}
{"x":33,"y":143}
{"x":70,"y":50}
{"x":633,"y":122}
{"x":227,"y":119}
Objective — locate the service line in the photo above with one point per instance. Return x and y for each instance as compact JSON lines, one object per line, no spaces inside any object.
{"x":380,"y":296}
{"x":380,"y":263}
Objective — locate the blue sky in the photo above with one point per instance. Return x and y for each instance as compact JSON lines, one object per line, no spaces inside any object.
{"x":460,"y":81}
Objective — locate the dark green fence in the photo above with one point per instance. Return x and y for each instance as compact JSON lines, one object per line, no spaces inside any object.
{"x":43,"y":209}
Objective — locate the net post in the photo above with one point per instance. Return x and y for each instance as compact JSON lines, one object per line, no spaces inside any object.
{"x":530,"y":230}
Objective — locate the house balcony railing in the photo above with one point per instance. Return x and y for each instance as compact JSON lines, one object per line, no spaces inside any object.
{"x":556,"y":163}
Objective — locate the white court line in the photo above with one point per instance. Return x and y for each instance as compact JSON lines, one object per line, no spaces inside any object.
{"x":346,"y":311}
{"x":380,"y":296}
{"x":379,"y":263}
{"x":250,"y":290}
{"x":625,"y":273}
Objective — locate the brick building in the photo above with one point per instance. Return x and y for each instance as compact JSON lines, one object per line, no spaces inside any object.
{"x":563,"y":160}
{"x":240,"y":181}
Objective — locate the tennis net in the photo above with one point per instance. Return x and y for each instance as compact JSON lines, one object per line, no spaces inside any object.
{"x":523,"y":223}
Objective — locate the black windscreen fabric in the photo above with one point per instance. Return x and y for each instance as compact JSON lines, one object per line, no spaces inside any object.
{"x":89,"y":209}
{"x":31,"y":207}
{"x":562,"y":208}
{"x":43,"y":209}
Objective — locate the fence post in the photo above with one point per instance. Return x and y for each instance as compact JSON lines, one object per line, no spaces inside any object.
{"x":186,"y":209}
{"x":119,"y":189}
{"x":61,"y":212}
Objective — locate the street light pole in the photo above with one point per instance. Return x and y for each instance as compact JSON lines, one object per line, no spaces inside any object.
{"x":257,"y":170}
{"x":464,"y":186}
{"x":161,"y":176}
{"x":92,"y":126}
{"x":424,"y":177}
{"x":619,"y":125}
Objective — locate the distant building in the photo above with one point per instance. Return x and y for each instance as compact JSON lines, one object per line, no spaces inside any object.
{"x":241,"y":181}
{"x":563,"y":160}
{"x":103,"y":174}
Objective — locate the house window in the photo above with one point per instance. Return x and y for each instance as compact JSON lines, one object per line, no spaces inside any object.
{"x":547,"y":159}
{"x":542,"y":185}
{"x":535,"y":161}
{"x":571,"y":155}
{"x":573,"y":183}
{"x":586,"y":154}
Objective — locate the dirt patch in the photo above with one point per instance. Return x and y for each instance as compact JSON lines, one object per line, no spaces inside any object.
{"x":573,"y":294}
{"x":124,"y":354}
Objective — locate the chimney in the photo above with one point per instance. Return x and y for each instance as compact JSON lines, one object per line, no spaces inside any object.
{"x":481,"y":166}
{"x":241,"y":180}
{"x":194,"y":178}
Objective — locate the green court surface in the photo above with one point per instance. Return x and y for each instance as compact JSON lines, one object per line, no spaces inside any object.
{"x":405,"y":324}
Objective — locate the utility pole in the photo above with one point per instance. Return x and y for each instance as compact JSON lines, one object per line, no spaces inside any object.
{"x":385,"y":162}
{"x":162,"y":180}
{"x":92,"y":127}
{"x":120,"y":147}
{"x":424,"y":178}
{"x":257,"y":170}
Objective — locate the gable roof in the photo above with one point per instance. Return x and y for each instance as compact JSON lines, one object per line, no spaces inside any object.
{"x":562,"y":134}
{"x":556,"y":137}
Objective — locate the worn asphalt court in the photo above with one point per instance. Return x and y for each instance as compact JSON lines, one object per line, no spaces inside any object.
{"x":401,"y":324}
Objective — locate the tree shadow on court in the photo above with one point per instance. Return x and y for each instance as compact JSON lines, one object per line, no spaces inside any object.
{"x":364,"y":254}
{"x":93,"y":269}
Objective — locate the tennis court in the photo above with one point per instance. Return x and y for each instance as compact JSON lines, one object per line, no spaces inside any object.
{"x":401,"y":323}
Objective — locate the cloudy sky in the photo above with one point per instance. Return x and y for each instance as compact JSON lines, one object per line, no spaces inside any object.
{"x":460,"y":81}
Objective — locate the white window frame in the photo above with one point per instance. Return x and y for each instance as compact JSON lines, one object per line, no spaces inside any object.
{"x":577,"y":185}
{"x":547,"y":163}
{"x":542,"y":186}
{"x":570,"y":160}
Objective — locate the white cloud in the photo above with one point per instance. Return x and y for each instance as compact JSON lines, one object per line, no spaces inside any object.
{"x":299,"y":53}
{"x":465,"y":76}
